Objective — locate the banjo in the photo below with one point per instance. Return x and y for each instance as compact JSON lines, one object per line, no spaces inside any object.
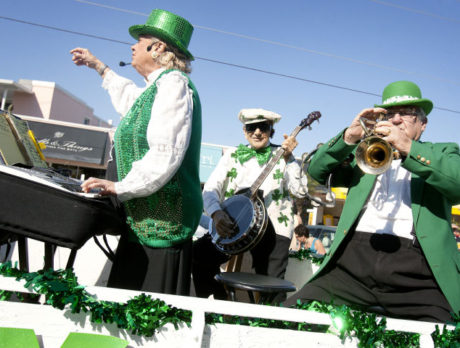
{"x":246,"y":208}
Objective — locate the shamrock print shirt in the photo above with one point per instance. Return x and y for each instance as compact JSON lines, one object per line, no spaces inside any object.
{"x":284,"y":180}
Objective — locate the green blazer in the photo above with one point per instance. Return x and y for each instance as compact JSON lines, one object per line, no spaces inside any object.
{"x":435,"y":187}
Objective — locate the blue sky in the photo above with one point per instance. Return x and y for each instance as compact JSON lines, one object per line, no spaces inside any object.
{"x":359,"y":45}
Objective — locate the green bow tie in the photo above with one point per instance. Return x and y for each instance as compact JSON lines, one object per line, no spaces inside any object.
{"x":244,"y":153}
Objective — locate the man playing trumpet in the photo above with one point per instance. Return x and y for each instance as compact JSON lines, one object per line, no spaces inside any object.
{"x":394,"y":251}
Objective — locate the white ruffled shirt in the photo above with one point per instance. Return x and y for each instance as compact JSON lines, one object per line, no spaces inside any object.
{"x":168,"y":131}
{"x":388,"y":209}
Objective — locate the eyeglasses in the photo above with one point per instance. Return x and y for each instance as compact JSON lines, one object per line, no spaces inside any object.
{"x":263,"y":127}
{"x":407,"y":113}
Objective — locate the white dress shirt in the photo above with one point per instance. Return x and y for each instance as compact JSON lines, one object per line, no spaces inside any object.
{"x":168,"y":132}
{"x":389,"y":209}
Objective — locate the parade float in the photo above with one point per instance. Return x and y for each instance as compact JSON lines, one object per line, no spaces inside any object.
{"x":60,"y":305}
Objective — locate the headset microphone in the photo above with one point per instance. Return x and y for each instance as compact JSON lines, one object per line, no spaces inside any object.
{"x":123,"y":63}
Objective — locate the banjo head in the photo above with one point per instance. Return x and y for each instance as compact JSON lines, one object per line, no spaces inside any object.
{"x":250,"y":218}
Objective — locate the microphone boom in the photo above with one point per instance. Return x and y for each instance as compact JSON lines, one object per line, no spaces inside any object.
{"x":123,"y":63}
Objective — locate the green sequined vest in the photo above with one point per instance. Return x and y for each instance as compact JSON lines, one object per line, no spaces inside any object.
{"x":171,"y":215}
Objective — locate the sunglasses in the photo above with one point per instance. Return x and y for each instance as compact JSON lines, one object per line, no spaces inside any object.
{"x":407,"y":113}
{"x":263,"y":127}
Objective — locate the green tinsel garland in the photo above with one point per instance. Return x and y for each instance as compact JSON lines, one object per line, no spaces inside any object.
{"x":447,"y":338}
{"x":306,"y":254}
{"x":143,"y":315}
{"x":348,"y":322}
{"x":366,"y":327}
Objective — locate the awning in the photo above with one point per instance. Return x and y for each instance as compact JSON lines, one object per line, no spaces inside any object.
{"x":7,"y":89}
{"x":71,"y":143}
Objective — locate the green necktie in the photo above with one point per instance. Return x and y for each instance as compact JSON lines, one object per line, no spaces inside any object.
{"x":244,"y":153}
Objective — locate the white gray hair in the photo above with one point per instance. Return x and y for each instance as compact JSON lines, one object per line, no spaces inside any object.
{"x":172,"y":58}
{"x":421,"y":115}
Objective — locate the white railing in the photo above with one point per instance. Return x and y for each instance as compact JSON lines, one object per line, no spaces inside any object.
{"x":53,"y":325}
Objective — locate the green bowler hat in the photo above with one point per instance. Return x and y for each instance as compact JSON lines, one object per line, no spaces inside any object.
{"x":404,"y":93}
{"x":168,"y":27}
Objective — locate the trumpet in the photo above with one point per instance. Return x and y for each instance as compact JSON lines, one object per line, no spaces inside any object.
{"x":373,"y":154}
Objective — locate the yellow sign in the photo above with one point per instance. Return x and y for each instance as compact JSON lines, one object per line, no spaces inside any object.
{"x":340,"y":192}
{"x":456,"y":210}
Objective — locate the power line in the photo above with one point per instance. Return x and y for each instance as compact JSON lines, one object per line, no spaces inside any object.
{"x":385,"y":3}
{"x":112,"y":8}
{"x":306,"y":80}
{"x":198,"y":58}
{"x":289,"y":76}
{"x":210,"y":60}
{"x":326,"y":54}
{"x":281,"y":44}
{"x":64,"y":30}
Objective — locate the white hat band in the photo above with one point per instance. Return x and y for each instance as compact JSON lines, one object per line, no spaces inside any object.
{"x":399,"y":98}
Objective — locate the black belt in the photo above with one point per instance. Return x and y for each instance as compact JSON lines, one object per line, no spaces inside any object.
{"x":386,"y":241}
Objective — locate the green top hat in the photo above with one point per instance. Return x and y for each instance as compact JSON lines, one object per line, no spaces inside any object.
{"x":168,"y":27}
{"x":404,"y":93}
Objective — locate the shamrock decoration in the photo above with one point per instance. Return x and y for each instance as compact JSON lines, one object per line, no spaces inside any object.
{"x":276,"y":196}
{"x":283,"y":218}
{"x":232,"y":173}
{"x":278,"y":175}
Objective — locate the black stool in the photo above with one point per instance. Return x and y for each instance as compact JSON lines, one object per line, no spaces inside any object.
{"x":268,"y":287}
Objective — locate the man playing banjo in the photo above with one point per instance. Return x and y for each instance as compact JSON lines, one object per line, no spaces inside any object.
{"x":239,"y":169}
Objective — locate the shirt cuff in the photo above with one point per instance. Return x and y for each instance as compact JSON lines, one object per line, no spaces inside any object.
{"x":106,"y":80}
{"x":211,"y":209}
{"x":121,"y":192}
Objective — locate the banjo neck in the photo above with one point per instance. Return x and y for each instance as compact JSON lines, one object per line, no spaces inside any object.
{"x":277,"y":156}
{"x":270,"y":165}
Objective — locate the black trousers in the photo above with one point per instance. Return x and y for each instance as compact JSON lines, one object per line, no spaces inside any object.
{"x":380,"y":273}
{"x":162,"y":270}
{"x":139,"y":267}
{"x":269,"y":257}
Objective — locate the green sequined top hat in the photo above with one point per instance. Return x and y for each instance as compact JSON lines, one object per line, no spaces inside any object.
{"x":404,"y":93}
{"x":166,"y":26}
